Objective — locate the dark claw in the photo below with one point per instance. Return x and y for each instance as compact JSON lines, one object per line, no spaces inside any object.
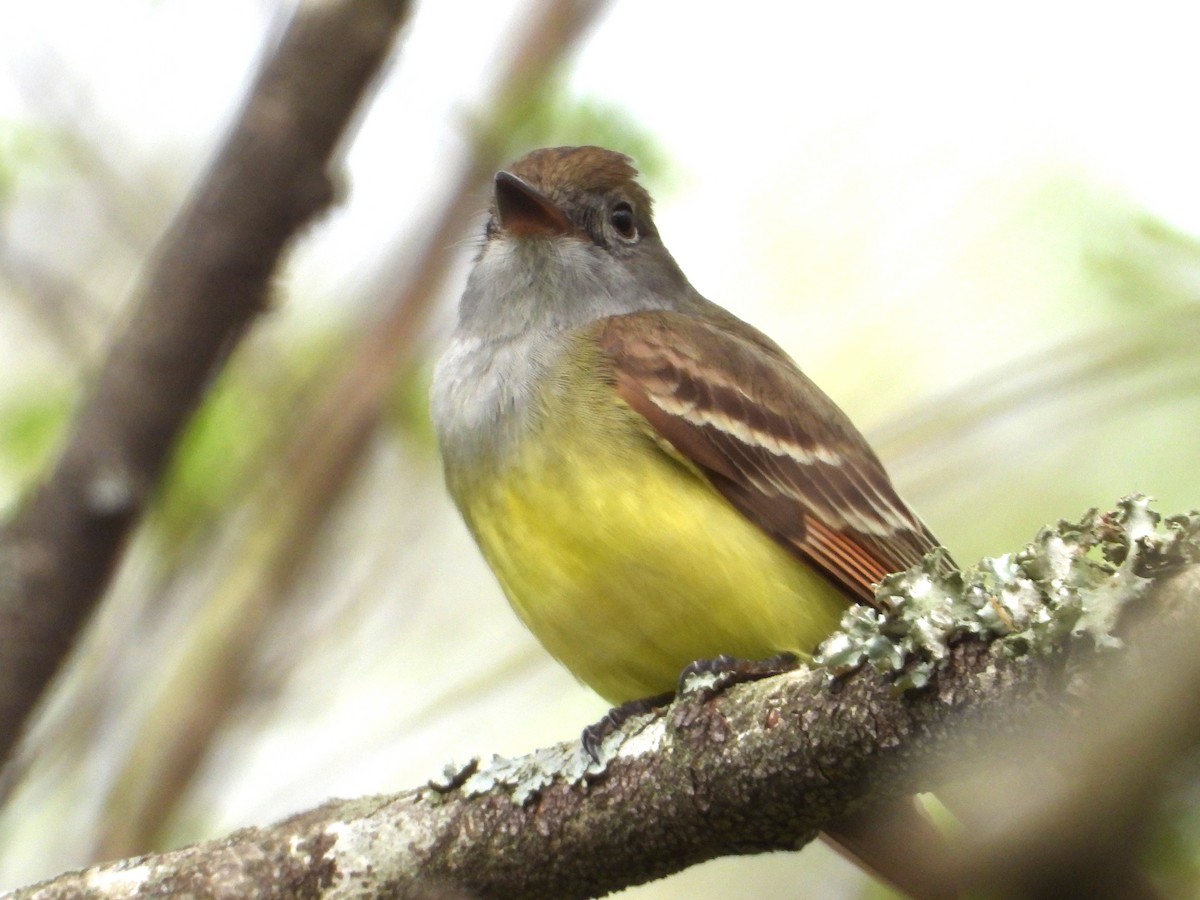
{"x":593,"y":736}
{"x":730,"y":670}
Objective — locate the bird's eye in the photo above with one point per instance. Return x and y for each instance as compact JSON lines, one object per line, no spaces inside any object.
{"x":622,"y":220}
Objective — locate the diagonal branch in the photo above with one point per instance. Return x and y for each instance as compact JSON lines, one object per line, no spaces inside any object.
{"x":761,"y":767}
{"x":208,"y":281}
{"x":753,"y":768}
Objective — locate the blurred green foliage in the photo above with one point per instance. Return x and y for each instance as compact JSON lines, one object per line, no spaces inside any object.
{"x":408,"y":412}
{"x":25,"y":149}
{"x":31,"y":425}
{"x":238,"y":429}
{"x":1153,"y":264}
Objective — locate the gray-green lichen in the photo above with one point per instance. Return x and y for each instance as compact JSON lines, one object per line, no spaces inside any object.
{"x":571,"y":762}
{"x":524,"y":777}
{"x":1073,"y":579}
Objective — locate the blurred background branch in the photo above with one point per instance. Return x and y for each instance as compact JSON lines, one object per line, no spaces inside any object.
{"x":320,"y":448}
{"x":208,"y":281}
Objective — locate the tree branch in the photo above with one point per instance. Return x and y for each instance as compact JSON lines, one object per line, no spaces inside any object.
{"x":209,"y":280}
{"x":760,"y":767}
{"x":722,"y":770}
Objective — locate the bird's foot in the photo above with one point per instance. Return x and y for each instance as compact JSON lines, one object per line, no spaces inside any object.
{"x":593,"y":736}
{"x":714,"y":676}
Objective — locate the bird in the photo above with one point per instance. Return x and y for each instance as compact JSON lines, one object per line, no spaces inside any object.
{"x":652,"y":480}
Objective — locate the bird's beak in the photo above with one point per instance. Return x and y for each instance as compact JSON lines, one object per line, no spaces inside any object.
{"x":524,"y":210}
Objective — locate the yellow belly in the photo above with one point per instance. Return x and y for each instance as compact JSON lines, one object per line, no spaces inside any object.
{"x":627,"y":565}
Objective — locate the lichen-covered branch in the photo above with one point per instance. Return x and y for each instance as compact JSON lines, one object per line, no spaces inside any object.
{"x":760,"y":767}
{"x":207,"y":282}
{"x":742,"y":769}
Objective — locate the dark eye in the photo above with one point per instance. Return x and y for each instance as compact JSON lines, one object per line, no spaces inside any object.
{"x":622,"y":220}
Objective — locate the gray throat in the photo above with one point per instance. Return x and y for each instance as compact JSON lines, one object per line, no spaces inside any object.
{"x":523,"y":300}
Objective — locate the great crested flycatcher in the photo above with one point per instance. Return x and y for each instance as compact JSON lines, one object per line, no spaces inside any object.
{"x":652,"y":480}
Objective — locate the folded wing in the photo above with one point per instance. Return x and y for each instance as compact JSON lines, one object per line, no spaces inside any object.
{"x":739,"y":410}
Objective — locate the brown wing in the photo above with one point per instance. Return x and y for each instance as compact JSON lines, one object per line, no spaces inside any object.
{"x":767,"y":439}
